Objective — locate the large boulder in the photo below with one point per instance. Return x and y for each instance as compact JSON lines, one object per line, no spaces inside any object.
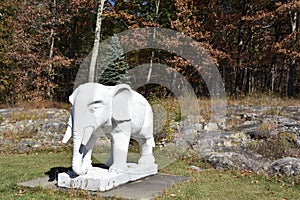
{"x":288,"y":166}
{"x":242,"y":159}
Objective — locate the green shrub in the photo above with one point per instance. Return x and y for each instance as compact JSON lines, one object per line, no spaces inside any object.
{"x":165,"y":113}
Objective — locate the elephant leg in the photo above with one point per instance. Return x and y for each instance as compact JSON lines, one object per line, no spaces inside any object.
{"x":146,"y":146}
{"x":110,"y":161}
{"x":87,"y":159}
{"x":146,"y":142}
{"x":120,"y":138}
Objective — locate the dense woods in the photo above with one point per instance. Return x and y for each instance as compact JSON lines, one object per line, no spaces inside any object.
{"x":254,"y":43}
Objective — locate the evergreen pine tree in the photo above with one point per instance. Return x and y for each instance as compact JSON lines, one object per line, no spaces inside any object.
{"x":116,"y":72}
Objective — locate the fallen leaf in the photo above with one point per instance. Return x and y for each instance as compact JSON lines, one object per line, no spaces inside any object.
{"x":21,"y":193}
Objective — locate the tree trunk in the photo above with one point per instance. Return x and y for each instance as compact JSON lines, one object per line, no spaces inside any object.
{"x":151,"y":59}
{"x":275,"y":67}
{"x":92,"y":68}
{"x":52,"y":39}
{"x":292,"y":65}
{"x":291,"y":78}
{"x":238,"y":70}
{"x":157,"y":2}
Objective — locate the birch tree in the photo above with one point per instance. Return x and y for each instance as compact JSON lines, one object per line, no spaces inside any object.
{"x":157,"y":2}
{"x":92,"y":69}
{"x":292,"y":67}
{"x":52,"y":39}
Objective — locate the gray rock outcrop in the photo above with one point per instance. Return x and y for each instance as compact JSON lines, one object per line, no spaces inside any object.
{"x":228,"y":147}
{"x":21,"y":129}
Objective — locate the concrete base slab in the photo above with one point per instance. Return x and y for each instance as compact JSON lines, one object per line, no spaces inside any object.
{"x":99,"y":179}
{"x":40,"y":182}
{"x":146,"y":188}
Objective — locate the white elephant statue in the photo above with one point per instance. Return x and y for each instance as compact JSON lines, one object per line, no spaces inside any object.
{"x":115,"y":111}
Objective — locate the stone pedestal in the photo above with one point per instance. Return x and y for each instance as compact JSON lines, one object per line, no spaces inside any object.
{"x":99,"y":179}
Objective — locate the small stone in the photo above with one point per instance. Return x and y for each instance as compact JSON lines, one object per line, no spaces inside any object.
{"x":211,"y":127}
{"x":249,"y":116}
{"x":220,"y":161}
{"x":248,"y":123}
{"x":258,"y":134}
{"x":195,"y":168}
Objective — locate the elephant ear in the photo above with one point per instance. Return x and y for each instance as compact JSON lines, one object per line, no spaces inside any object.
{"x":73,"y":95}
{"x":69,"y":130}
{"x":120,"y":102}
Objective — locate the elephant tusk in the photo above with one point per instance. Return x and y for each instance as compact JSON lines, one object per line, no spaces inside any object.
{"x":68,"y":132}
{"x":88,"y":131}
{"x":67,"y":135}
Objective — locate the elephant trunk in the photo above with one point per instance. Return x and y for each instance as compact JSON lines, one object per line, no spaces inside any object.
{"x":77,"y":156}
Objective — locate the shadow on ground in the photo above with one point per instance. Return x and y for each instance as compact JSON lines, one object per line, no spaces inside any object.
{"x":54,"y":171}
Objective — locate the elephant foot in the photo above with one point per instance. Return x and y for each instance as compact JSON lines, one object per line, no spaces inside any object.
{"x":87,"y":165}
{"x":79,"y":170}
{"x":118,"y":169}
{"x":147,"y":159}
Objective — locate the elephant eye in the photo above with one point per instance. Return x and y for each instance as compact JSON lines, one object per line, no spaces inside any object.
{"x":94,"y":105}
{"x":95,"y":102}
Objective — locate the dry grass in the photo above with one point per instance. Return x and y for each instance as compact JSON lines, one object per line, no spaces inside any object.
{"x":263,"y":100}
{"x":27,"y":115}
{"x":37,"y":105}
{"x":172,"y":103}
